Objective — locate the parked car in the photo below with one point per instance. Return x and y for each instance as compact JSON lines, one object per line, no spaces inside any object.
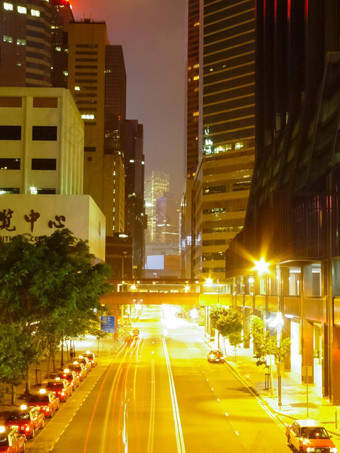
{"x":69,"y":375}
{"x":85,"y":361}
{"x":11,"y":441}
{"x":27,"y":420}
{"x":47,"y":402}
{"x":91,"y":356}
{"x":79,"y":368}
{"x":309,"y":436}
{"x":60,"y":387}
{"x":216,"y":356}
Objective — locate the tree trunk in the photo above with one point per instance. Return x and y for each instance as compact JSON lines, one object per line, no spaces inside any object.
{"x":28,"y":383}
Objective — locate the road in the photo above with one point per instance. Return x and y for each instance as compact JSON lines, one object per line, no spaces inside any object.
{"x":160,"y":394}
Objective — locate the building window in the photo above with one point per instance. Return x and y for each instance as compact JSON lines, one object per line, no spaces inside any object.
{"x":35,"y":12}
{"x":21,"y":42}
{"x":8,"y":6}
{"x":10,"y":132}
{"x":48,"y":133}
{"x":44,"y":164}
{"x":9,"y":190}
{"x":7,"y":39}
{"x":7,"y":101}
{"x":90,"y":149}
{"x":88,"y":116}
{"x":48,"y":103}
{"x":22,"y":10}
{"x":9,"y":164}
{"x":46,"y":191}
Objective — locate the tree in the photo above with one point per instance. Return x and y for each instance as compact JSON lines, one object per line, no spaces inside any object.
{"x":266,"y":343}
{"x":17,"y":352}
{"x":228,"y":323}
{"x":50,"y":287}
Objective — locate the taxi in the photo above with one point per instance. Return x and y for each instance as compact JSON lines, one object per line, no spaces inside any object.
{"x":47,"y":402}
{"x":309,"y":436}
{"x":60,"y":387}
{"x":79,"y":368}
{"x":11,"y":441}
{"x":85,"y":361}
{"x":91,"y":356}
{"x":71,"y":377}
{"x":216,"y":356}
{"x":27,"y":420}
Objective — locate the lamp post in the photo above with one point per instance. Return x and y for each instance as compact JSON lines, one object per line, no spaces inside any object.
{"x":277,"y":322}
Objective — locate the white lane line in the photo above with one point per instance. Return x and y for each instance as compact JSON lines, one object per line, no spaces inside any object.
{"x":152,"y":409}
{"x":175,"y":410}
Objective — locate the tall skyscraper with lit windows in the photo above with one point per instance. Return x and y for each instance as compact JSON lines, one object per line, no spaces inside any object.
{"x":25,"y":46}
{"x":219,"y":192}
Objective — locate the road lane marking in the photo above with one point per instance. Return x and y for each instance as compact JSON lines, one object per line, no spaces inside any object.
{"x":175,"y":409}
{"x":152,"y":409}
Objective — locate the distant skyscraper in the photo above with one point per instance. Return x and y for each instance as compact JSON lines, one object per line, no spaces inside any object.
{"x":25,"y":34}
{"x":156,"y":184}
{"x":62,"y":16}
{"x":167,"y":221}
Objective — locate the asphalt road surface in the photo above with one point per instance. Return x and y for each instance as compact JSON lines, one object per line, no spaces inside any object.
{"x":160,"y":395}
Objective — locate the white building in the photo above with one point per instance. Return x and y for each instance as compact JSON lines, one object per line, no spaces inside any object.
{"x":41,"y":168}
{"x":41,"y":142}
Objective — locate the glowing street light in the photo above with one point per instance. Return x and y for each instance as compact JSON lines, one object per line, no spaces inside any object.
{"x":261,"y":267}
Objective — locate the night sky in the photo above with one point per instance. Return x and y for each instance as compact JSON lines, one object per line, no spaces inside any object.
{"x":153,"y":36}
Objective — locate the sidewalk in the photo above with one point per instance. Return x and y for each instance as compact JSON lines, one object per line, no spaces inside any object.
{"x":293,"y":393}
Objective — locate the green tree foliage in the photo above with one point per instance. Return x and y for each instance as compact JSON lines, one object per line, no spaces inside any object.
{"x":228,"y":323}
{"x":265,"y":343}
{"x":49,"y":289}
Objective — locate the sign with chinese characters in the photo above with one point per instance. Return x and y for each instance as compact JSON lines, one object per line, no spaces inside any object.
{"x":108,"y":324}
{"x":42,"y":215}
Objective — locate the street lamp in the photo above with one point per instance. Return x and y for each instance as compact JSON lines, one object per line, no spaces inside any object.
{"x":277,"y":323}
{"x":262,"y":268}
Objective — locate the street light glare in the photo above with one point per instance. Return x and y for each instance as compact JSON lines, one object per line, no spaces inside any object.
{"x":208,"y":282}
{"x":261,"y":267}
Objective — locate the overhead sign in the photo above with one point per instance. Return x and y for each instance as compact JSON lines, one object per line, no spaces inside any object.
{"x":108,"y":324}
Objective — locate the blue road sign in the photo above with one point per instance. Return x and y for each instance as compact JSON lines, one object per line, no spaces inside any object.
{"x":108,"y":324}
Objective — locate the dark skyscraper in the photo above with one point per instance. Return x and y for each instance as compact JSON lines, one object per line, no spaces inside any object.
{"x":25,"y":34}
{"x":192,"y":88}
{"x":135,"y":220}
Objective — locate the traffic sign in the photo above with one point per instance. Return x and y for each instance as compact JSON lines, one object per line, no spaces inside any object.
{"x":108,"y":324}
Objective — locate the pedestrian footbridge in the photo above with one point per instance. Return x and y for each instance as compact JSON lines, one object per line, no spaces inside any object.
{"x":172,"y":292}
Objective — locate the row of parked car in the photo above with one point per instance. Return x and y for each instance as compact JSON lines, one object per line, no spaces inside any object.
{"x":21,"y":424}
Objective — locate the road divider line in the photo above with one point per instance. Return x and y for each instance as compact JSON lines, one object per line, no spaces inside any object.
{"x":175,"y":409}
{"x":152,"y":408}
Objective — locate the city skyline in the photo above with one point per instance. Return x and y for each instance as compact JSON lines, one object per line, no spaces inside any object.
{"x":154,"y":55}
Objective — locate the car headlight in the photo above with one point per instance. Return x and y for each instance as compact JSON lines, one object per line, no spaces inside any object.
{"x":310,"y":449}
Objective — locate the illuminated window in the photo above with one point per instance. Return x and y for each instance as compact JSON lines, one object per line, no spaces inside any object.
{"x":22,"y":10}
{"x":189,"y":67}
{"x":211,"y":69}
{"x":196,"y":66}
{"x":65,"y":73}
{"x":238,"y":145}
{"x":7,"y":38}
{"x":8,"y":6}
{"x":131,"y":161}
{"x":35,"y":12}
{"x":196,"y":77}
{"x":195,"y":114}
{"x":87,"y":116}
{"x":76,"y":88}
{"x":196,"y":24}
{"x":21,"y":42}
{"x":58,"y":49}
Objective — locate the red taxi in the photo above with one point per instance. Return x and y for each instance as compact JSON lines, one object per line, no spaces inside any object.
{"x":91,"y":356}
{"x":11,"y":441}
{"x":309,"y":436}
{"x":46,"y":402}
{"x":27,"y":420}
{"x":79,"y":368}
{"x":85,"y":361}
{"x":71,"y":377}
{"x":60,"y":387}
